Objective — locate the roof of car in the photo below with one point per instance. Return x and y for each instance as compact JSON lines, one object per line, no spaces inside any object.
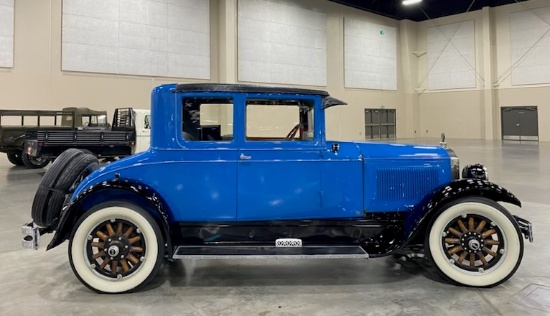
{"x":244,"y":88}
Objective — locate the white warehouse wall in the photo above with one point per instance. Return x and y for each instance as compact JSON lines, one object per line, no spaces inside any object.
{"x":36,"y":80}
{"x":474,"y":113}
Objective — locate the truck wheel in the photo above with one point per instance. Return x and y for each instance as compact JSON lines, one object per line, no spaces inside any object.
{"x":87,"y":151}
{"x":34,"y":162}
{"x":474,"y":241}
{"x":116,"y":248}
{"x":67,"y":171}
{"x":15,"y":158}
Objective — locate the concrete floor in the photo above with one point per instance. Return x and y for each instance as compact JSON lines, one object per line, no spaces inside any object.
{"x":42,"y":283}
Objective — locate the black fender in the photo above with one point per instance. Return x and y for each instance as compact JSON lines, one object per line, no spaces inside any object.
{"x":72,"y":211}
{"x":424,"y":211}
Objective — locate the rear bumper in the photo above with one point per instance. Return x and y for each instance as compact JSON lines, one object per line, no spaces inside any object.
{"x":31,"y":235}
{"x":525,"y":227}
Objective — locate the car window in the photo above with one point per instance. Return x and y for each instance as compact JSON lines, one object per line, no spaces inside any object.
{"x":207,"y":119}
{"x":279,"y":120}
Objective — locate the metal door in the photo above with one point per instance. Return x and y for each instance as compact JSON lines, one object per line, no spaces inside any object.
{"x":276,"y":182}
{"x":519,"y":123}
{"x":380,"y":123}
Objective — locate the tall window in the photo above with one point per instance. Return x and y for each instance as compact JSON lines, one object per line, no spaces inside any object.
{"x":279,"y":120}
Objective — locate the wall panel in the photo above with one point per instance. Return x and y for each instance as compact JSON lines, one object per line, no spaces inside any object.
{"x":451,"y":56}
{"x":370,"y":52}
{"x":137,"y":37}
{"x":6,"y":33}
{"x":281,"y":43}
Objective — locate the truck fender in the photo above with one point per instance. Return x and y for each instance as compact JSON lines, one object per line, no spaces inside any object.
{"x":424,"y":211}
{"x":73,"y":210}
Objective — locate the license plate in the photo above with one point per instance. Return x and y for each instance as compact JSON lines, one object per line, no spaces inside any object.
{"x":288,"y":242}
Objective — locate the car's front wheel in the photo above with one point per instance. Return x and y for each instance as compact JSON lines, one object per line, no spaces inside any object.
{"x":474,"y":242}
{"x":116,"y":248}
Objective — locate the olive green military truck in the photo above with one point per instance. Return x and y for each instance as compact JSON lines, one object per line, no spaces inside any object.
{"x":16,"y":124}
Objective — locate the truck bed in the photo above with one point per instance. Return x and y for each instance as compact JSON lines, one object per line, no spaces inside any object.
{"x":82,"y":138}
{"x":12,"y":137}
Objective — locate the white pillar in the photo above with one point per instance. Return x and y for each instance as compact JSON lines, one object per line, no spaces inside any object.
{"x":228,"y":41}
{"x":409,"y":75}
{"x":489,"y":109}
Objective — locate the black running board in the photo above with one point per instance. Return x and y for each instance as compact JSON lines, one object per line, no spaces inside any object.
{"x":262,"y":252}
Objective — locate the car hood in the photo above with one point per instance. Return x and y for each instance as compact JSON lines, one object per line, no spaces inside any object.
{"x":374,"y":150}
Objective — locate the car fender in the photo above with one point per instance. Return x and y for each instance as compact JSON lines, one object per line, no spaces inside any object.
{"x":424,"y":211}
{"x":72,"y":211}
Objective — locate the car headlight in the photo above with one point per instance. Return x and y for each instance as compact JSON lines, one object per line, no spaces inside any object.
{"x":455,"y":164}
{"x":476,"y":171}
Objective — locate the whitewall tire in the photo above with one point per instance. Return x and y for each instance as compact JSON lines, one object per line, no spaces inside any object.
{"x":474,"y":242}
{"x":116,"y":248}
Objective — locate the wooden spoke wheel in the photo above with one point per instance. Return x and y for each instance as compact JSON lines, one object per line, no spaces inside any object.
{"x":474,"y":241}
{"x":116,"y":247}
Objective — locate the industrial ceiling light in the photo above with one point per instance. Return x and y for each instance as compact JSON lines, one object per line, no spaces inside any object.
{"x":409,"y":2}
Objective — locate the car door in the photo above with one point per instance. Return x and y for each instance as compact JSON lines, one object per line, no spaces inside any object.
{"x":342,"y":181}
{"x":279,"y":177}
{"x":202,"y":176}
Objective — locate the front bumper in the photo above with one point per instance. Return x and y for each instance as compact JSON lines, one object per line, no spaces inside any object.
{"x":525,"y":227}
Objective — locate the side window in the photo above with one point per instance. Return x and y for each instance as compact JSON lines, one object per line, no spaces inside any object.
{"x":98,"y":120}
{"x":279,"y":120}
{"x":67,"y":120}
{"x":207,"y":119}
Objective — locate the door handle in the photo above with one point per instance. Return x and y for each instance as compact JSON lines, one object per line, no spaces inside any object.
{"x":245,"y":157}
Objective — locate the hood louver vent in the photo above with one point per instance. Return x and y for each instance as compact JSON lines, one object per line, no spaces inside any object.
{"x":405,"y":183}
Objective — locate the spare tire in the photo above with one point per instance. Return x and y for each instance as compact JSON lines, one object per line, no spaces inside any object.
{"x":67,"y":171}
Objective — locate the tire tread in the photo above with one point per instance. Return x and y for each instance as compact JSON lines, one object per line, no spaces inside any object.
{"x":477,"y":199}
{"x":55,"y":184}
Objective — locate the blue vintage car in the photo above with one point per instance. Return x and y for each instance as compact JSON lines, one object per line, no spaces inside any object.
{"x":245,"y":171}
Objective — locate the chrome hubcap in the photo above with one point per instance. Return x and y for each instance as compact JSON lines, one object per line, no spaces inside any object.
{"x":474,"y":245}
{"x":113,"y":251}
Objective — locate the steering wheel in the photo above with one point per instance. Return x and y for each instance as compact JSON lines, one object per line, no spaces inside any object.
{"x":293,"y":131}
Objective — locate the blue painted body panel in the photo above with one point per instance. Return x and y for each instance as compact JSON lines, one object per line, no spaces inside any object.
{"x":279,"y":184}
{"x":279,"y":180}
{"x":397,"y":177}
{"x":342,"y":181}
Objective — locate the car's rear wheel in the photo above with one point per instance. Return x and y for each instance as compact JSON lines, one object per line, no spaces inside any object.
{"x":116,"y":248}
{"x":474,"y":242}
{"x":15,"y":159}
